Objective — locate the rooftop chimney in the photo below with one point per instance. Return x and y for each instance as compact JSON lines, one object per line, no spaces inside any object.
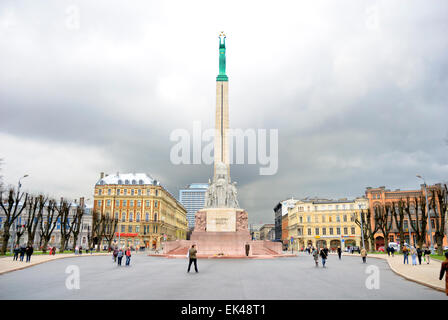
{"x":101,"y":175}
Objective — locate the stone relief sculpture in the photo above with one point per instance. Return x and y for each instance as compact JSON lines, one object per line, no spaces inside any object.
{"x":200,"y":221}
{"x":221,"y":193}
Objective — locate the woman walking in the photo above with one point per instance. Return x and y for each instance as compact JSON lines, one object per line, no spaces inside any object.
{"x":128,"y":256}
{"x":414,"y":256}
{"x":29,"y":251}
{"x":427,"y":254}
{"x":120,"y":256}
{"x":364,"y":255}
{"x":316,"y":257}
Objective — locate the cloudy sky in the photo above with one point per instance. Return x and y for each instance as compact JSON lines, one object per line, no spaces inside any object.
{"x":358,"y":91}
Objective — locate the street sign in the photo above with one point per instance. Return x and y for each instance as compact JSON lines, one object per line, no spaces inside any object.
{"x":343,"y":240}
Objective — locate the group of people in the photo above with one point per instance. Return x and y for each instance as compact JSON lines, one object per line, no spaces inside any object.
{"x":22,"y":251}
{"x":416,"y":253}
{"x":323,"y":254}
{"x":118,"y":254}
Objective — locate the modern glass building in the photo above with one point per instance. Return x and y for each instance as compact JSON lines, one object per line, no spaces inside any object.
{"x":193,"y":199}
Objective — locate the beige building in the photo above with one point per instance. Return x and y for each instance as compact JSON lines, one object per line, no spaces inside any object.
{"x":147,"y":213}
{"x":325,"y":223}
{"x":267,"y":232}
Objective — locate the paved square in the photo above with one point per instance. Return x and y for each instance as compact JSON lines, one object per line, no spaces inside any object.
{"x":161,"y":278}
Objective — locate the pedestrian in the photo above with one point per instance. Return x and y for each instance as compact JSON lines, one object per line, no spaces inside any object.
{"x":392,"y":251}
{"x":326,"y":251}
{"x":29,"y":251}
{"x":315,"y":254}
{"x":414,"y":256}
{"x":444,"y":271}
{"x":388,"y":251}
{"x":22,"y":252}
{"x":76,"y":250}
{"x":427,"y":255}
{"x":247,"y":247}
{"x":363,"y":255}
{"x":419,"y":255}
{"x":339,"y":252}
{"x":80,"y":250}
{"x":120,"y":256}
{"x":192,"y":258}
{"x":405,"y":255}
{"x":324,"y":256}
{"x":128,"y":256}
{"x":114,"y":254}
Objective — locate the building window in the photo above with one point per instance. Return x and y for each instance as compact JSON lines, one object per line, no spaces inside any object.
{"x":155,"y":216}
{"x":134,"y":182}
{"x":116,"y":215}
{"x":129,"y":228}
{"x":148,"y":192}
{"x":109,"y":192}
{"x":353,"y":230}
{"x":147,"y":203}
{"x":309,"y":231}
{"x":99,"y":203}
{"x":117,"y":203}
{"x":139,"y":192}
{"x":125,"y":191}
{"x":131,"y":203}
{"x":324,"y":231}
{"x":99,"y":192}
{"x":345,"y":218}
{"x":300,"y":219}
{"x":126,"y":181}
{"x":120,"y":181}
{"x":118,"y":191}
{"x":124,"y":203}
{"x":122,"y":228}
{"x":147,"y":217}
{"x":330,"y":219}
{"x":155,"y":204}
{"x":108,"y":203}
{"x":331,"y":231}
{"x":131,"y":217}
{"x":132,"y":192}
{"x":138,"y":217}
{"x":338,"y":219}
{"x":139,"y":203}
{"x":123,"y":217}
{"x":345,"y":230}
{"x":137,"y":229}
{"x":337,"y":207}
{"x":317,"y":231}
{"x":308,"y":219}
{"x":338,"y":231}
{"x":323,"y":218}
{"x":352,"y":218}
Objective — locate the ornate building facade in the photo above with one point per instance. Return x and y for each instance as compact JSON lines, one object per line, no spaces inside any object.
{"x":147,"y":213}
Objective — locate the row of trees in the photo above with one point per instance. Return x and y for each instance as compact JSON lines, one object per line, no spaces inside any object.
{"x":391,"y":217}
{"x":44,"y":214}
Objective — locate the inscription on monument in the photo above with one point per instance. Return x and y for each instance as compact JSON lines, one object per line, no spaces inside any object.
{"x":221,"y":221}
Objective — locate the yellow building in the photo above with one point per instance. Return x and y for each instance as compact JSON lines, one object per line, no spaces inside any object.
{"x":147,"y":213}
{"x":325,"y":223}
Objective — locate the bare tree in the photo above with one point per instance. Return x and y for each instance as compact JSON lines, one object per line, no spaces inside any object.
{"x":36,"y":207}
{"x":94,"y":233}
{"x":108,"y":228}
{"x":416,"y":208}
{"x":76,"y":223}
{"x":48,"y":223}
{"x":384,"y":219}
{"x":399,"y":215}
{"x":12,"y":210}
{"x":66,"y":226}
{"x":369,"y":228}
{"x":440,"y":196}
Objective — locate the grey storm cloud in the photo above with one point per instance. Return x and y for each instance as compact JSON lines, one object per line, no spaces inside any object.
{"x":356,"y":89}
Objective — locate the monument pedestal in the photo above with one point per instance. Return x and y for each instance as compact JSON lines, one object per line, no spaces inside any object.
{"x":222,"y":232}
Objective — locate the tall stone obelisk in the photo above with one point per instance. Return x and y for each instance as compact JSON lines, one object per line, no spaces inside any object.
{"x":221,"y":150}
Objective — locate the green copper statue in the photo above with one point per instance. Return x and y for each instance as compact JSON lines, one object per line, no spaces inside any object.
{"x":222,"y":58}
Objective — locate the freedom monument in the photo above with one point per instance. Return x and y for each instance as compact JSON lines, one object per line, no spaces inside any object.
{"x":221,"y":228}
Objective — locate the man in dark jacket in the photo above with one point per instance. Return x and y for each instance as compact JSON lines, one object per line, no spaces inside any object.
{"x":247,"y":249}
{"x":192,"y":257}
{"x":29,"y":251}
{"x":324,"y":256}
{"x":22,"y":252}
{"x":419,"y":255}
{"x":16,"y":253}
{"x":339,"y":253}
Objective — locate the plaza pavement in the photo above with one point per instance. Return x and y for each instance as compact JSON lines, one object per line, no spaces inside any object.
{"x":8,"y":265}
{"x":426,"y":274}
{"x":158,"y":278}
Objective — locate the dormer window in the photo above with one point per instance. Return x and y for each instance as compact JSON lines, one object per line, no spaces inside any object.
{"x":140,"y":181}
{"x":120,"y":181}
{"x":126,"y":181}
{"x":134,"y":182}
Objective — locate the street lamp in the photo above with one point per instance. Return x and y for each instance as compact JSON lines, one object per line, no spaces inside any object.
{"x":15,"y":224}
{"x":429,"y":216}
{"x":362,"y":229}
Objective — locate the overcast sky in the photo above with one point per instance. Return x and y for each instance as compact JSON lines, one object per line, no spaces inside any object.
{"x":358,"y":91}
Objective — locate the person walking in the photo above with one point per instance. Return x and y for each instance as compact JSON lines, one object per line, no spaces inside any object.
{"x":247,"y":247}
{"x":405,"y":255}
{"x":339,"y":252}
{"x":316,"y":257}
{"x":22,"y":253}
{"x":419,"y":255}
{"x":192,"y":258}
{"x":444,"y":271}
{"x":388,"y":251}
{"x":53,"y":251}
{"x":324,"y":256}
{"x":392,"y":251}
{"x":427,"y":253}
{"x":414,"y":256}
{"x":29,"y":251}
{"x":114,"y":254}
{"x":16,"y":253}
{"x":120,"y":256}
{"x":363,"y":255}
{"x":128,"y":256}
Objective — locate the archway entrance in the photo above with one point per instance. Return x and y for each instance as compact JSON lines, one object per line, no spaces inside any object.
{"x":350,"y":243}
{"x":321,"y":243}
{"x":334,"y":244}
{"x":379,"y":242}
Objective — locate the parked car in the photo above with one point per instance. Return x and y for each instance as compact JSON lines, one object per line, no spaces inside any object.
{"x":381,"y":249}
{"x":357,"y":249}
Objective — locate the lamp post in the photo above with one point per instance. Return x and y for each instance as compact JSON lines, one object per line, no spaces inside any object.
{"x":15,"y":223}
{"x":362,"y":229}
{"x":429,"y":216}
